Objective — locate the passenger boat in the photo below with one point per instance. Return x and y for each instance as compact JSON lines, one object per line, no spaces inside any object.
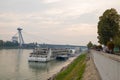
{"x":62,"y":54}
{"x":62,"y":57}
{"x":40,"y":55}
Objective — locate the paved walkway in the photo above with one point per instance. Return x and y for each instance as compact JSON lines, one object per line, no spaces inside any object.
{"x":91,"y":72}
{"x":108,"y":65}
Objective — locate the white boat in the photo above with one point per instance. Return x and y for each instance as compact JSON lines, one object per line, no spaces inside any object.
{"x":61,"y":54}
{"x":40,"y":55}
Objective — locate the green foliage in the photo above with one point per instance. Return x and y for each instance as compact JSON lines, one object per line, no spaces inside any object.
{"x":74,"y":71}
{"x":108,"y":26}
{"x":1,"y":43}
{"x":8,"y":44}
{"x":90,"y":44}
{"x":117,"y":41}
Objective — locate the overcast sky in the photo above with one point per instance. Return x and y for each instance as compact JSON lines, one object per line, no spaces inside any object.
{"x":53,"y":21}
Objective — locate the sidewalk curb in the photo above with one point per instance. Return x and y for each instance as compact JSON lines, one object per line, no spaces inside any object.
{"x":111,"y":56}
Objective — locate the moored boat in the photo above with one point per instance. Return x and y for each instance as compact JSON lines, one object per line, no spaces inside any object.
{"x":40,"y":55}
{"x":62,"y":54}
{"x":62,"y":57}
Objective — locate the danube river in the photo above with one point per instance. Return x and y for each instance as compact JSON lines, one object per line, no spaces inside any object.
{"x":15,"y":66}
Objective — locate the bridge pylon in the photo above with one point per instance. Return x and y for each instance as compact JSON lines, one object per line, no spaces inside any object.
{"x":21,"y":41}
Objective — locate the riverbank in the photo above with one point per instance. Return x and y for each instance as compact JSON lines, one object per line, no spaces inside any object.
{"x":58,"y":69}
{"x":74,"y":70}
{"x":82,"y":68}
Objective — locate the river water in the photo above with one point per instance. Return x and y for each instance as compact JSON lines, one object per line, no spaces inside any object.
{"x":15,"y":66}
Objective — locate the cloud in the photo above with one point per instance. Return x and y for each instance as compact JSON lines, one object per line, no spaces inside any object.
{"x":78,"y":30}
{"x":50,"y":1}
{"x":63,"y":21}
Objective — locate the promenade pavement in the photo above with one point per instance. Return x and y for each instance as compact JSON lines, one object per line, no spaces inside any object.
{"x":108,"y":65}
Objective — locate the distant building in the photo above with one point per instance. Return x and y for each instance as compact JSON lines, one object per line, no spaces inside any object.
{"x":15,"y":39}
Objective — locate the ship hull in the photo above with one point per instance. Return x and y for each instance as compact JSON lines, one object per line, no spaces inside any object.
{"x":38,"y":59}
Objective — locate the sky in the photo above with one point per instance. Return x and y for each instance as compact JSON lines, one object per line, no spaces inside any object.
{"x":53,"y":21}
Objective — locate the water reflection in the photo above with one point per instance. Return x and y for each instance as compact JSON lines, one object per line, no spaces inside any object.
{"x":39,"y":66}
{"x":18,"y":59}
{"x":44,"y":66}
{"x":18,"y":56}
{"x":43,"y":71}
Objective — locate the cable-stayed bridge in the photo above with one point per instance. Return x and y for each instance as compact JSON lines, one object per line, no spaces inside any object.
{"x":21,"y":36}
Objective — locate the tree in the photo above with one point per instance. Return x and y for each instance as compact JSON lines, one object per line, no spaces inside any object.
{"x":108,"y":26}
{"x":10,"y":44}
{"x":89,"y":45}
{"x":1,"y":43}
{"x":117,"y":42}
{"x":110,"y":46}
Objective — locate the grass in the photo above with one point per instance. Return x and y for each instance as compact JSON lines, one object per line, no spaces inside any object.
{"x":74,"y":71}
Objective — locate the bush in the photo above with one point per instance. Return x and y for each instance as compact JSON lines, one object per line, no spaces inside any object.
{"x":110,"y":46}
